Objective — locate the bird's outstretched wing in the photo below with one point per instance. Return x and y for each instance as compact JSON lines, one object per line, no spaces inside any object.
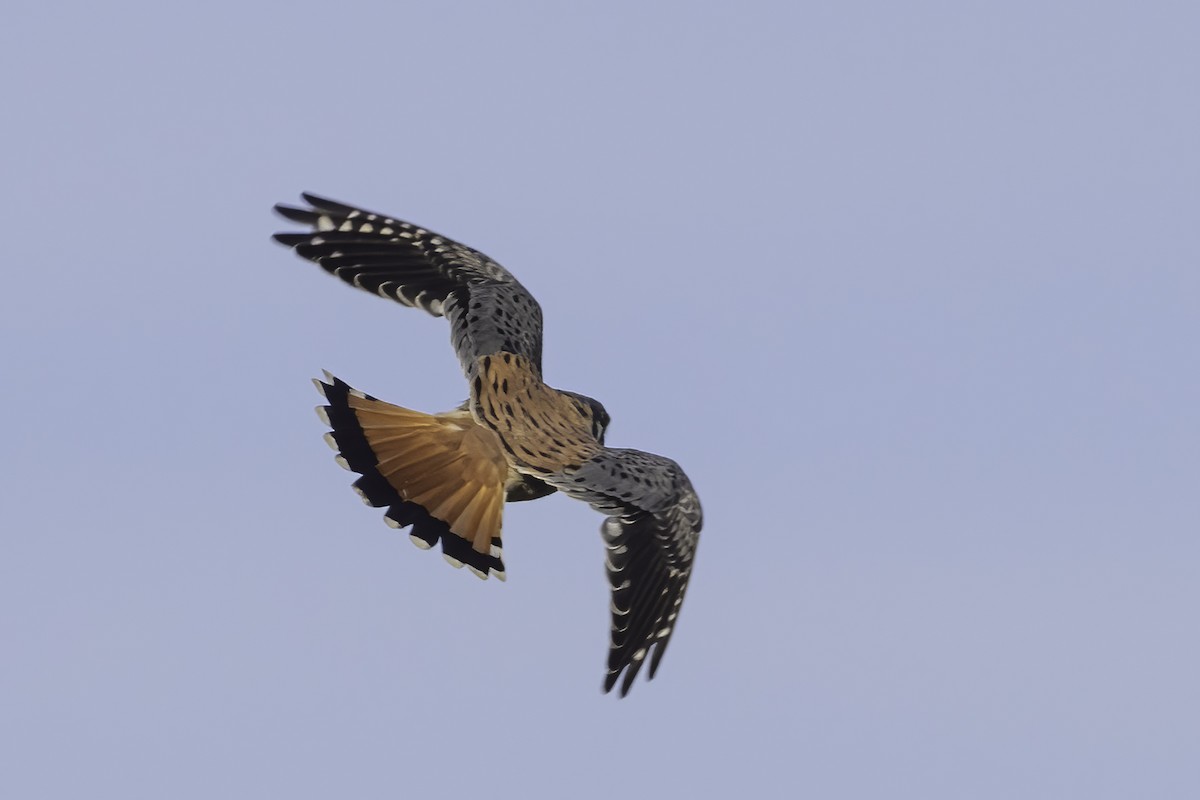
{"x":651,"y":539}
{"x":488,"y":309}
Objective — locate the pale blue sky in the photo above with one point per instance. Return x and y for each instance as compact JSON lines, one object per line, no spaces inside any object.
{"x":911,"y":290}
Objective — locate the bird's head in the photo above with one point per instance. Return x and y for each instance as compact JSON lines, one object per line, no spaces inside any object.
{"x":592,"y":411}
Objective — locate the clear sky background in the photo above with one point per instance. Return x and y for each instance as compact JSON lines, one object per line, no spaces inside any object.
{"x":911,"y":290}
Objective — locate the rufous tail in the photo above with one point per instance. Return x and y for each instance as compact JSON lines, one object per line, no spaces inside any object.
{"x":443,"y":474}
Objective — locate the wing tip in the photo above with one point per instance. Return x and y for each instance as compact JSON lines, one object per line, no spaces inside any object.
{"x":626,"y":673}
{"x":294,"y":213}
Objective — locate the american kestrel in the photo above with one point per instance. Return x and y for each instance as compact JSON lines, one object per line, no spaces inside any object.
{"x":448,"y":475}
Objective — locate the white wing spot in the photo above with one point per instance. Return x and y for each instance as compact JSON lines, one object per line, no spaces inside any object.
{"x":324,"y":223}
{"x":366,"y":227}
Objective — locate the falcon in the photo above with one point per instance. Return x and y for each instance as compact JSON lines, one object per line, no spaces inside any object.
{"x":447,"y":476}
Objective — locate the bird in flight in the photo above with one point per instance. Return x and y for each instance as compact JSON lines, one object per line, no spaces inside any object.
{"x":448,"y":475}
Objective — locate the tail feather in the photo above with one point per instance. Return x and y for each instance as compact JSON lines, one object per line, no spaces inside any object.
{"x":442,"y":474}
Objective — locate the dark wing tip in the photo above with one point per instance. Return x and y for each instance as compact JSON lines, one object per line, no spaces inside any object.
{"x":303,"y":215}
{"x":292,"y":239}
{"x":630,"y":673}
{"x":325,"y":204}
{"x":625,"y":668}
{"x":317,"y":206}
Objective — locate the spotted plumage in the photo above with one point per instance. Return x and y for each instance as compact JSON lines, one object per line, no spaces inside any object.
{"x":447,"y":476}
